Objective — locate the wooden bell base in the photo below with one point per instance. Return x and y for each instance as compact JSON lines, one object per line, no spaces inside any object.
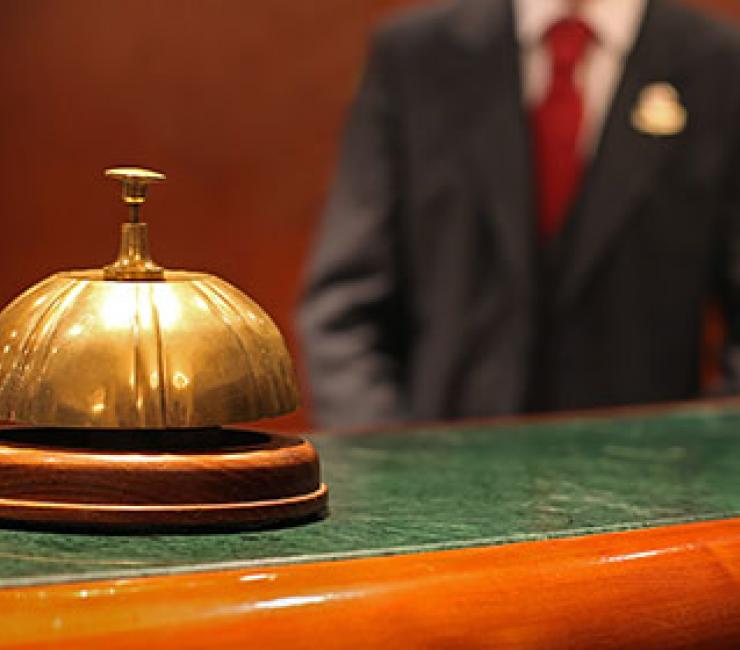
{"x":154,"y":480}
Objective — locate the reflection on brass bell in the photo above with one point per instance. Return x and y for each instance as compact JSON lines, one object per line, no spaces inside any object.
{"x":120,"y":381}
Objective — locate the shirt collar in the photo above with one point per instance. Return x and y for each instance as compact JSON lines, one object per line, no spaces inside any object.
{"x":614,"y":22}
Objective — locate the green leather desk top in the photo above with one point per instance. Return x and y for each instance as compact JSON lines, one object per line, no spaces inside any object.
{"x":434,"y":489}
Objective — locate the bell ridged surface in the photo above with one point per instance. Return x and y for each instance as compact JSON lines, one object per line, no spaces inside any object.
{"x":192,"y":351}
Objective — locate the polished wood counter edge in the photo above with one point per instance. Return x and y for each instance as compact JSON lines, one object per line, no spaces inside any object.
{"x":670,"y":587}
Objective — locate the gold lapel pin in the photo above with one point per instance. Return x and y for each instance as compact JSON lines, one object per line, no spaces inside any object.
{"x":659,"y":111}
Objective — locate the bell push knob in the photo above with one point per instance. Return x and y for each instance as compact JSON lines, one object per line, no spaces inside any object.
{"x":135,"y":182}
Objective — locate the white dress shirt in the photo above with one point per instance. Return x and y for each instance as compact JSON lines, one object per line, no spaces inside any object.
{"x":615,"y":24}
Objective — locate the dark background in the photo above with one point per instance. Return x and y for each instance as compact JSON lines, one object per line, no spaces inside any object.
{"x":240,"y":102}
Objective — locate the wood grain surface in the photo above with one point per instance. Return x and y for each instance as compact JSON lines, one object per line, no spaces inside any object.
{"x":153,"y":479}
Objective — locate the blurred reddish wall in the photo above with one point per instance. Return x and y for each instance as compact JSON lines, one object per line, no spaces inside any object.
{"x":240,"y":103}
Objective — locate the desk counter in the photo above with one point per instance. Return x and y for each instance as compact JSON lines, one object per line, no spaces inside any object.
{"x":597,"y":531}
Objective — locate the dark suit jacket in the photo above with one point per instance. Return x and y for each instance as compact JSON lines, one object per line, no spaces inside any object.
{"x":429,"y":295}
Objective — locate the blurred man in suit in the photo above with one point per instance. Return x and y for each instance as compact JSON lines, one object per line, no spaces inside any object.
{"x":534,"y":200}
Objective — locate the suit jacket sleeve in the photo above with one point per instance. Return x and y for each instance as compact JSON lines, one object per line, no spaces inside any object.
{"x":349,"y":318}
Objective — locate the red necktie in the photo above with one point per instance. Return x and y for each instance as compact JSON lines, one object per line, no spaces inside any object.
{"x":556,"y":124}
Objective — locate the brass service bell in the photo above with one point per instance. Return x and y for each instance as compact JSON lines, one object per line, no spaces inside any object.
{"x":119,"y":381}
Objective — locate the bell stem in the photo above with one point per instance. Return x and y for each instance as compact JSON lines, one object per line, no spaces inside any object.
{"x":134,"y":259}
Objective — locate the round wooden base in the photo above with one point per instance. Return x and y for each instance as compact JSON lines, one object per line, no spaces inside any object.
{"x":145,"y":480}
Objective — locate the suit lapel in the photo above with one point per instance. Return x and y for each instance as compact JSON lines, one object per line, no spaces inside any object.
{"x":494,"y":135}
{"x":626,"y":161}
